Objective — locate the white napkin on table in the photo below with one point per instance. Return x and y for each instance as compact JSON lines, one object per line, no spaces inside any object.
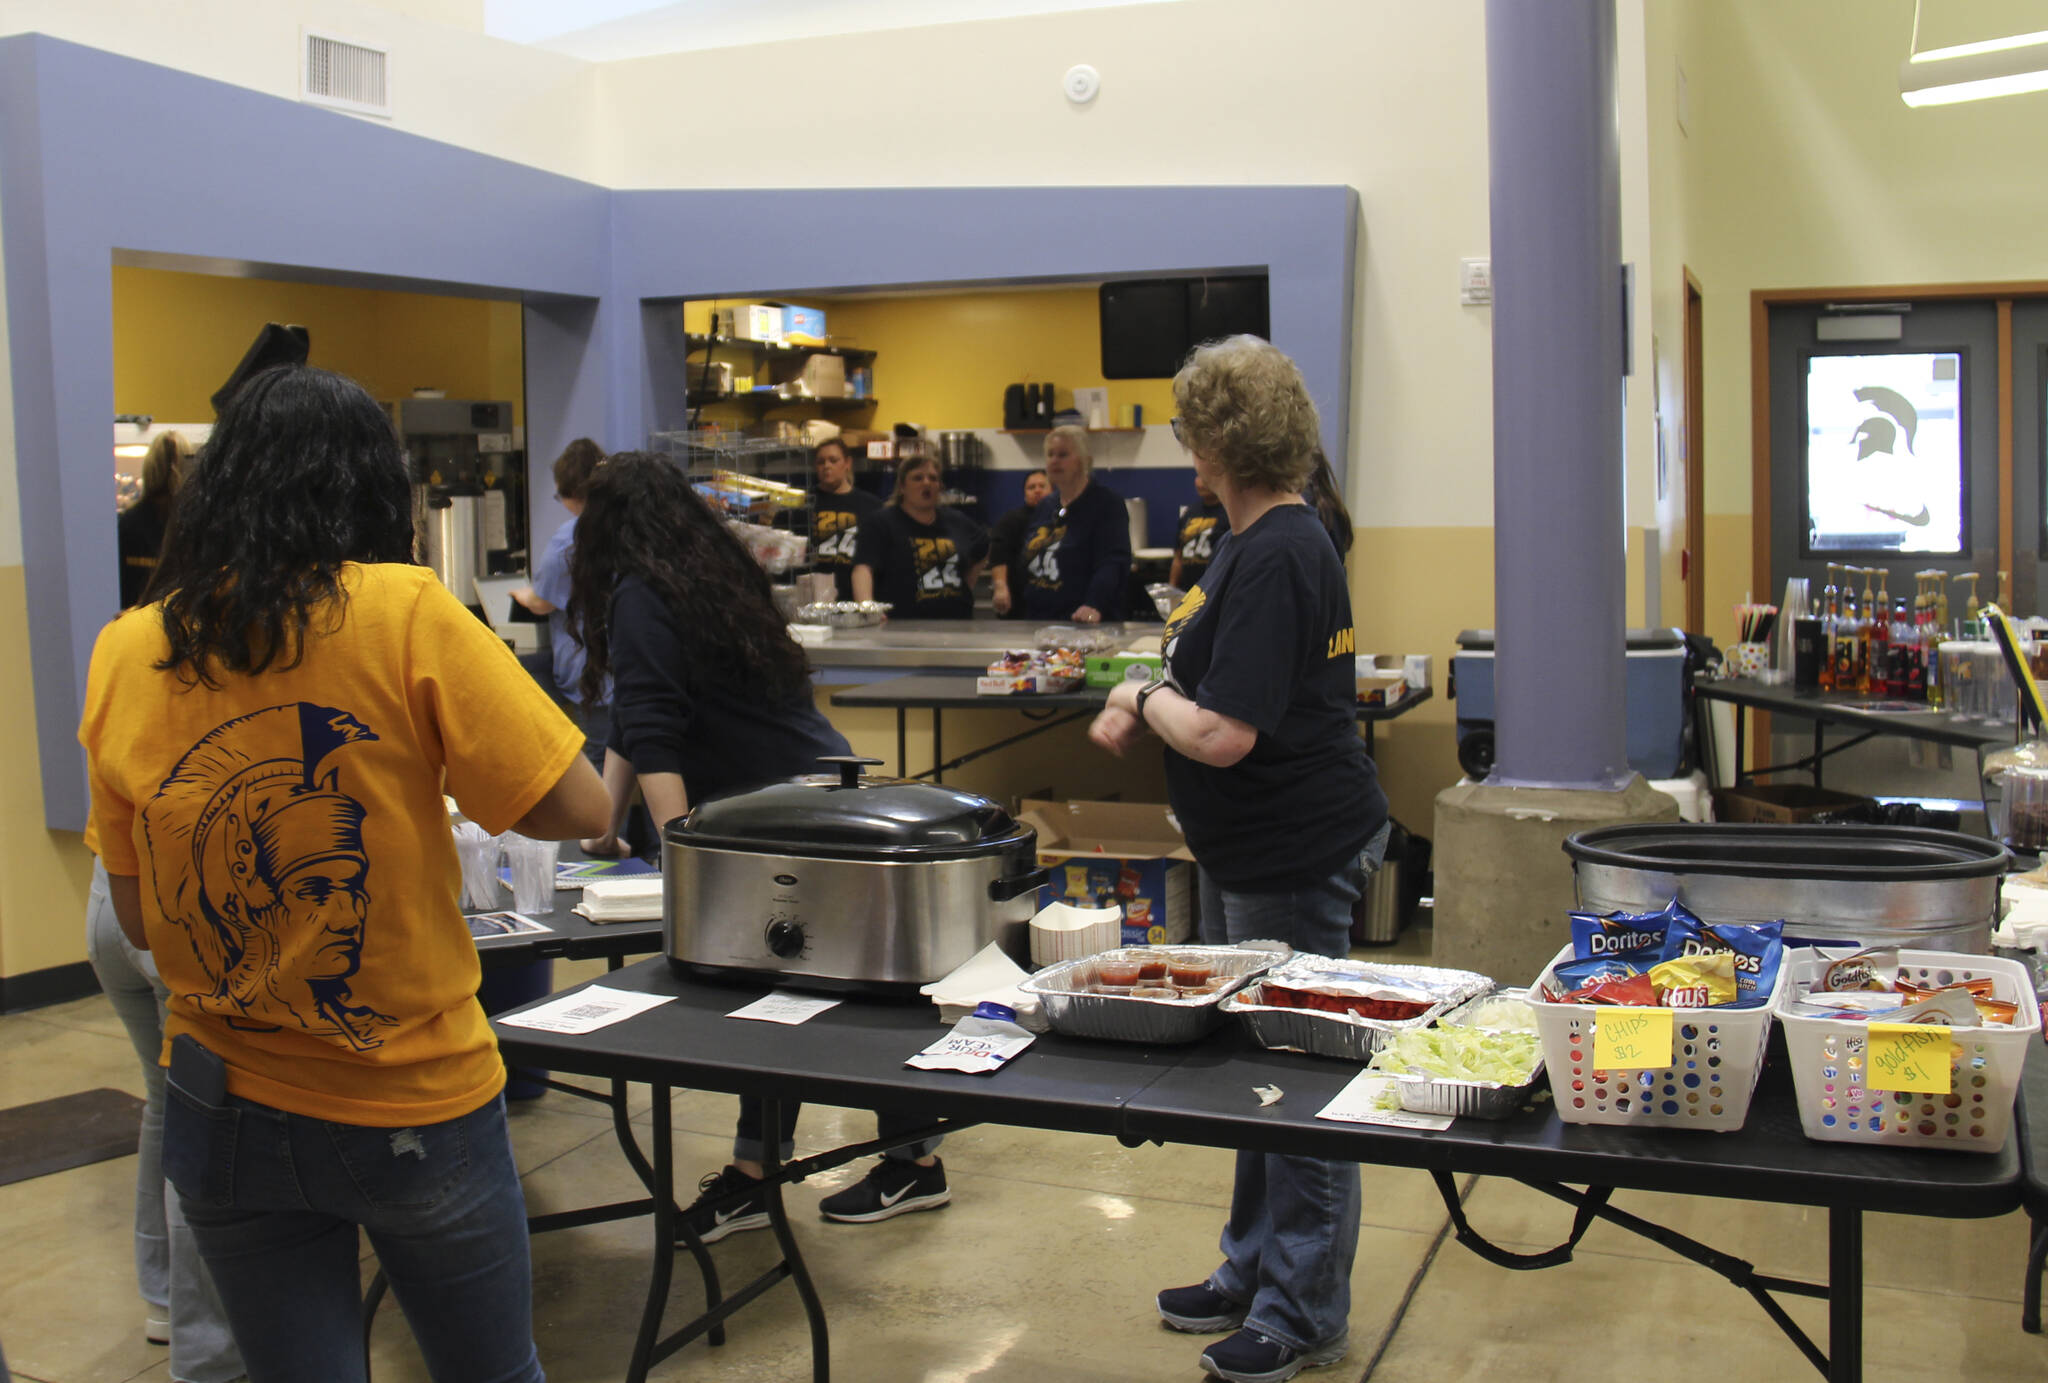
{"x":989,"y":976}
{"x":637,"y":899}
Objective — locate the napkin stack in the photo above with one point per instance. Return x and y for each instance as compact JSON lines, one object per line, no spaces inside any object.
{"x":1064,"y":932}
{"x":622,"y":900}
{"x":988,"y":976}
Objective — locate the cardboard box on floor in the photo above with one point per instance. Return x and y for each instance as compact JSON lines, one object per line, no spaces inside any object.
{"x":1126,"y":853}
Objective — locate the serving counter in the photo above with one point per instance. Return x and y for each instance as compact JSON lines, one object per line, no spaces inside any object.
{"x":892,"y":650}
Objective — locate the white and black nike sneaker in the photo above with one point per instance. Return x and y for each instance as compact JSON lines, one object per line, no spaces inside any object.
{"x":716,"y":1213}
{"x":890,"y":1188}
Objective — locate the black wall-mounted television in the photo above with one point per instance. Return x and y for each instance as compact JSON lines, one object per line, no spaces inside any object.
{"x":1150,"y":325}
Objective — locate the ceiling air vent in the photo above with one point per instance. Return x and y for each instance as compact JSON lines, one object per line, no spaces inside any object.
{"x":344,"y":75}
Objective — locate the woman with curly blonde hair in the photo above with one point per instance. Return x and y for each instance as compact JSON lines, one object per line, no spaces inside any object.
{"x":1281,"y":808}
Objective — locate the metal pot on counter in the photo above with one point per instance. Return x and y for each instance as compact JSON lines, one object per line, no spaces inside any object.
{"x":1860,"y":885}
{"x":845,"y":883}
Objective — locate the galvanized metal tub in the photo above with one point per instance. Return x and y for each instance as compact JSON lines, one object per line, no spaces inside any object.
{"x":1873,"y":885}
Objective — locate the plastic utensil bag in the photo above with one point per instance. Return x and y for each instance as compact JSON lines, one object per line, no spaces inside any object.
{"x":979,"y":1043}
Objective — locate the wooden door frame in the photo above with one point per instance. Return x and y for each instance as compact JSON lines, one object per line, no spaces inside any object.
{"x":1695,"y":455}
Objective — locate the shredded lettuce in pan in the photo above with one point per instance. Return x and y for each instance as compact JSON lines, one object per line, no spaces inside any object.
{"x":1506,"y":1058}
{"x":1501,"y":1013}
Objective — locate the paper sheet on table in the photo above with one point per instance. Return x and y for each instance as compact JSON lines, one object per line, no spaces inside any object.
{"x":988,"y":976}
{"x":1357,"y":1103}
{"x":784,"y":1008}
{"x":586,"y":1010}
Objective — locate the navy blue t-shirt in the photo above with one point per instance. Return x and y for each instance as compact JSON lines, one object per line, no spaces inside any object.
{"x":1266,"y":638}
{"x":921,"y":568}
{"x":1077,"y":554}
{"x":838,"y":519}
{"x":673,"y":714}
{"x":1194,"y":542}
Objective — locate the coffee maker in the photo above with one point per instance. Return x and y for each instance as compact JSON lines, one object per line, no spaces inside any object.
{"x":469,"y":488}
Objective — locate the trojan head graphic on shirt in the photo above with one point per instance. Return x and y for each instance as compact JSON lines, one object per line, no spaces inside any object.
{"x":258,"y":857}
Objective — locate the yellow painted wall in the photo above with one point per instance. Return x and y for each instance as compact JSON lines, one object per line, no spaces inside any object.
{"x":43,"y":879}
{"x":178,"y":336}
{"x":944,"y":359}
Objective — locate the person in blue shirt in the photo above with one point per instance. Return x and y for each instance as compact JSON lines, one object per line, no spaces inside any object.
{"x":549,"y":593}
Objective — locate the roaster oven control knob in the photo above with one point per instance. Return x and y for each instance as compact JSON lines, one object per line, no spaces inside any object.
{"x":786,"y":938}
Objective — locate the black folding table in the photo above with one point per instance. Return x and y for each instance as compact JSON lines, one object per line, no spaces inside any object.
{"x":852,"y":1055}
{"x":1844,"y":710}
{"x":1050,"y":710}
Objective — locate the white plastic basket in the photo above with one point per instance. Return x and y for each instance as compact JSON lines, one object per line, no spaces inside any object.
{"x":1984,"y":1063}
{"x":1716,"y":1055}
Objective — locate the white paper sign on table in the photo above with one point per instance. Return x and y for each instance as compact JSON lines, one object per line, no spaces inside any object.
{"x":1358,"y":1103}
{"x":784,"y":1008}
{"x":586,"y":1010}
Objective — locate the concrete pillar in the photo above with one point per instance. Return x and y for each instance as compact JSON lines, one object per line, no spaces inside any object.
{"x":1559,"y":585}
{"x":1503,"y":883}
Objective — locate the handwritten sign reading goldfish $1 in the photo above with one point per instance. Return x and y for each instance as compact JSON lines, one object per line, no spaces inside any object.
{"x":1632,"y":1039}
{"x":1909,"y":1056}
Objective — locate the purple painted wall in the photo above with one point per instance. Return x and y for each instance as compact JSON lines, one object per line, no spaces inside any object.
{"x":100,"y":154}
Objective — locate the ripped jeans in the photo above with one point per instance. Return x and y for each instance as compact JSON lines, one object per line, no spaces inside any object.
{"x":275,"y":1201}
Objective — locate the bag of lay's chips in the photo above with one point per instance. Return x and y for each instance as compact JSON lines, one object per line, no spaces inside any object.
{"x":1757,"y":950}
{"x":1637,"y":938}
{"x":1700,"y":981}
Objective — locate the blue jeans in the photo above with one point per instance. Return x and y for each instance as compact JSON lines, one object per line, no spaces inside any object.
{"x":1293,"y":1226}
{"x":748,"y":1147}
{"x":168,"y":1269}
{"x":276,"y":1199}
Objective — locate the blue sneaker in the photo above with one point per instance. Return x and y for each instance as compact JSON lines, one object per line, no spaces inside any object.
{"x":1249,"y":1357}
{"x":1200,"y":1310}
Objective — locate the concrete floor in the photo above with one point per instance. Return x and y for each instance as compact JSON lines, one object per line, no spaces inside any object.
{"x":1045,"y":1265}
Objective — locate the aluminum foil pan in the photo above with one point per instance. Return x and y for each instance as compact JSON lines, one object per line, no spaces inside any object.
{"x":1469,"y":1099}
{"x":1063,"y":991}
{"x":1474,"y":1099}
{"x":844,"y":614}
{"x":1344,"y":1036}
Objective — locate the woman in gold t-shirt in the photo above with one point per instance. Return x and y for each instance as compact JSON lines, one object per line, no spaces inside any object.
{"x":269,"y":744}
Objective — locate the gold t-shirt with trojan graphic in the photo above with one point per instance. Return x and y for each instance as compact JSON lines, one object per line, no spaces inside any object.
{"x":298,"y":875}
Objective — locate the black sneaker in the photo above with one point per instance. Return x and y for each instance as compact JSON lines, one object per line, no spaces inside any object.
{"x":1200,"y":1310}
{"x":714,"y":1220}
{"x":1249,"y":1357}
{"x":890,"y":1188}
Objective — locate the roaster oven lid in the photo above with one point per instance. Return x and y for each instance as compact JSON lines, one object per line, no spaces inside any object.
{"x":841,"y":811}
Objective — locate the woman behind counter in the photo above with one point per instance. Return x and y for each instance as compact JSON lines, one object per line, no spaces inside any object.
{"x":921,"y":558}
{"x":1006,"y":546}
{"x":139,"y":531}
{"x":268,"y":746}
{"x":1281,"y":809}
{"x":1077,"y":553}
{"x":711,"y":695}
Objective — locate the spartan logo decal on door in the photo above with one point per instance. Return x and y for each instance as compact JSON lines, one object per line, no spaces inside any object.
{"x":258,"y":857}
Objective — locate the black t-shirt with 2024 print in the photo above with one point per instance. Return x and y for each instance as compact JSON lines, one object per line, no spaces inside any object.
{"x":1266,"y":638}
{"x":832,"y":535}
{"x":921,"y":568}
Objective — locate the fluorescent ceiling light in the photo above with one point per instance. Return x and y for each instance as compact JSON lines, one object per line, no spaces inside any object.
{"x":1975,"y":71}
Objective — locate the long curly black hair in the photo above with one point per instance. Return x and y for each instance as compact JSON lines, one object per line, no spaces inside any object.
{"x":302,"y":474}
{"x":642,"y":519}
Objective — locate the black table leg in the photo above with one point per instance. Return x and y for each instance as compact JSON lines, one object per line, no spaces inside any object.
{"x":664,"y":1241}
{"x":2030,"y":1309}
{"x":1845,"y":1295}
{"x":902,"y":745}
{"x":938,"y":748}
{"x":778,"y":1221}
{"x":1819,"y":746}
{"x":1741,"y":734}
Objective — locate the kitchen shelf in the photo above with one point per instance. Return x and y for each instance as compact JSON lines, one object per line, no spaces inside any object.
{"x":698,"y":342}
{"x":1028,"y":430}
{"x":777,"y":401}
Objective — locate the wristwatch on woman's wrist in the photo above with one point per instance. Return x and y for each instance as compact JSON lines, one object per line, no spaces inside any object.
{"x":1138,"y":707}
